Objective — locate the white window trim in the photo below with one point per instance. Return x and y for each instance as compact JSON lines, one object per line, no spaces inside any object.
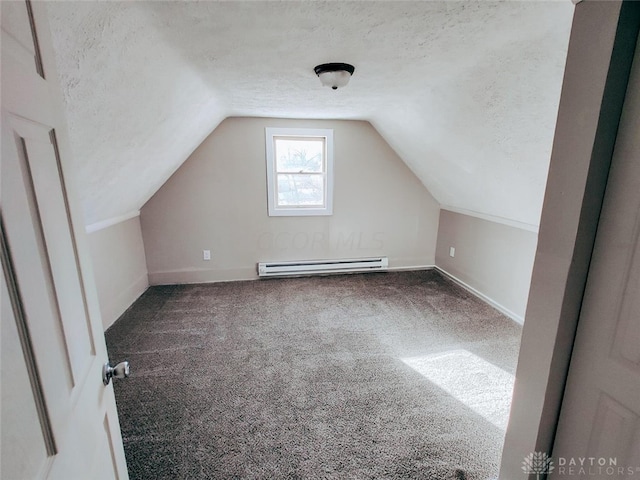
{"x":274,"y":210}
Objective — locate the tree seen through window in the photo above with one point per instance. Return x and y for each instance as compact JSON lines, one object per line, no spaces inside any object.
{"x":300,"y":170}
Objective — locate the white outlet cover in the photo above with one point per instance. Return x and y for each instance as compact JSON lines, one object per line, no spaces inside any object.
{"x":206,"y":254}
{"x":452,"y":251}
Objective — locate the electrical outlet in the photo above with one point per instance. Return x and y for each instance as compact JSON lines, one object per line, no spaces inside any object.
{"x":206,"y":254}
{"x":452,"y":251}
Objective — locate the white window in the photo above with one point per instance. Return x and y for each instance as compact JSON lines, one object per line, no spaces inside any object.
{"x":299,"y":171}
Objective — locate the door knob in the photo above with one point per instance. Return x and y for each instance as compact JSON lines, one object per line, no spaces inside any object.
{"x":121,"y":370}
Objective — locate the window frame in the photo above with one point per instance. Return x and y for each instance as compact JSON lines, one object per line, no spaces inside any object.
{"x":271,"y":134}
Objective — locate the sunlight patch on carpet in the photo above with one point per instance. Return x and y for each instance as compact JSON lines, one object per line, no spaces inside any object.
{"x":480,"y":385}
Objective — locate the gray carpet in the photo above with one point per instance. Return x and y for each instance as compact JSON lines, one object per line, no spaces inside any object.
{"x":380,"y":375}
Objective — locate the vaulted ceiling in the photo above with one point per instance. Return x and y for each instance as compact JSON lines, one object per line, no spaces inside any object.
{"x":466,"y":92}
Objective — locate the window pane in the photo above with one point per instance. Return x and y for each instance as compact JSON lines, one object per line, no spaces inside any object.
{"x":299,"y":155}
{"x":300,"y":190}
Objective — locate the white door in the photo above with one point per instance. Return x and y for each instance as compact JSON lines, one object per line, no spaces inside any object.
{"x":58,"y":420}
{"x":600,"y":416}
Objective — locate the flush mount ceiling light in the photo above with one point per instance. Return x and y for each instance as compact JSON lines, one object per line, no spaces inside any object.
{"x":334,"y":75}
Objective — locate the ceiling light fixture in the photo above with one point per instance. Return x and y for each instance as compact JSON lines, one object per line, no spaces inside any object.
{"x":334,"y":75}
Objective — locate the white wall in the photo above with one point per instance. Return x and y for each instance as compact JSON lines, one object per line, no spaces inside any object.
{"x":119,"y":267}
{"x":217,"y":200}
{"x":493,"y":259}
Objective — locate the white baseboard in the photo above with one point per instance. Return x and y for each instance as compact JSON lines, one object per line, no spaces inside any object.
{"x":212,"y":276}
{"x":411,"y":268}
{"x":117,"y":306}
{"x":501,"y":308}
{"x":209,"y":276}
{"x":193,"y":275}
{"x":189,"y":276}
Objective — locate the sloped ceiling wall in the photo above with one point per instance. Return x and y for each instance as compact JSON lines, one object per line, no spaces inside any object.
{"x":465,"y":92}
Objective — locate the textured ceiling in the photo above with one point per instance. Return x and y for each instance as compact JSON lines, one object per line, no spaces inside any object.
{"x":465,"y":92}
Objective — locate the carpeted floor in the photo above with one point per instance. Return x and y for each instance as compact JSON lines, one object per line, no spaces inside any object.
{"x":398,"y":375}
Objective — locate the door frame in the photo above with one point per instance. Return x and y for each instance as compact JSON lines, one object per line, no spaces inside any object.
{"x":601,"y":49}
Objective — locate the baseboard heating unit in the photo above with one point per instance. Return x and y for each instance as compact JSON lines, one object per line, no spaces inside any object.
{"x":322,"y":267}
